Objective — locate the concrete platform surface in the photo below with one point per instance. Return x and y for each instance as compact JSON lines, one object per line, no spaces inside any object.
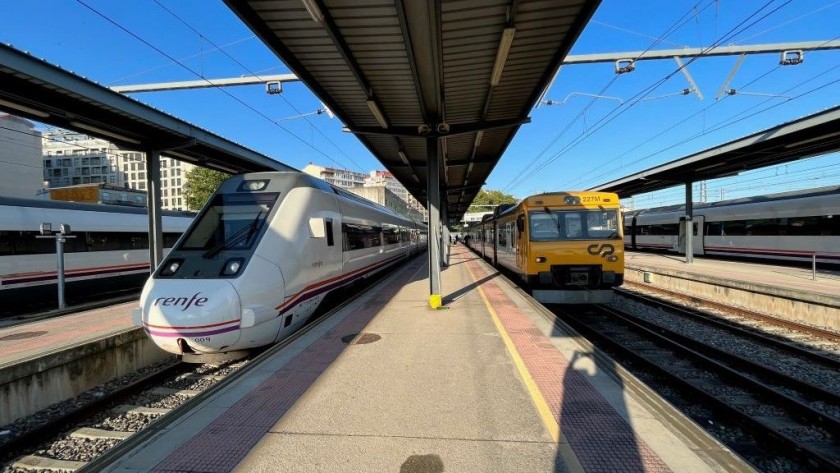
{"x":486,"y":384}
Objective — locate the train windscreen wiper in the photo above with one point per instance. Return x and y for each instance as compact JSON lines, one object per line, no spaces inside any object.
{"x":556,"y":221}
{"x":245,"y":233}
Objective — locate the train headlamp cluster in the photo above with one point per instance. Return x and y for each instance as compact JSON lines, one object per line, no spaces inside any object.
{"x":232,"y":266}
{"x":171,"y":267}
{"x":571,"y":200}
{"x":540,"y":259}
{"x":253,"y":185}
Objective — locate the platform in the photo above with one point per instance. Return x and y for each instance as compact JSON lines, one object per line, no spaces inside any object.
{"x":760,"y":276}
{"x":487,"y":383}
{"x":789,"y":293}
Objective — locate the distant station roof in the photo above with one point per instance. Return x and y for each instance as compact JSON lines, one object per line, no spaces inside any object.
{"x":399,"y":72}
{"x":809,"y":136}
{"x":35,"y":89}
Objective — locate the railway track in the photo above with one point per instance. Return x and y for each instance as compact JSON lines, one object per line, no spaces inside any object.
{"x":113,"y":424}
{"x":69,"y":441}
{"x":774,"y":417}
{"x":742,"y":314}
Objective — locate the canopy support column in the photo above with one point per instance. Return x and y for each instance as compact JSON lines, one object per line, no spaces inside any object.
{"x":433,"y":204}
{"x":689,"y":224}
{"x":155,"y":218}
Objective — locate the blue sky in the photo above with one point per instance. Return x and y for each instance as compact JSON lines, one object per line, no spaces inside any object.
{"x":579,"y":144}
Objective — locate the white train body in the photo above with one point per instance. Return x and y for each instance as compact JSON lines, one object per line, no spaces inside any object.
{"x":110,"y":241}
{"x":260,"y":258}
{"x":793,"y":226}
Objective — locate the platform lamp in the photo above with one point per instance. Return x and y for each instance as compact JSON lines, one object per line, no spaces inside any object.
{"x":60,"y":237}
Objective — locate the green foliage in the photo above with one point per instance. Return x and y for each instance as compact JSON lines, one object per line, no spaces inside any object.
{"x":490,"y":197}
{"x":201,"y":183}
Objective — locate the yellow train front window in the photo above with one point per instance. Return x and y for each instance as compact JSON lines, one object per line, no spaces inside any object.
{"x":559,"y":225}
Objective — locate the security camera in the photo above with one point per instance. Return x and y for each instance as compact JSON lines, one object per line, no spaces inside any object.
{"x":443,"y":128}
{"x":423,"y":129}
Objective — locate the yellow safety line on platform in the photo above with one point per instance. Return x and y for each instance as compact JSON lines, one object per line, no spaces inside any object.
{"x":539,"y":401}
{"x":571,"y":461}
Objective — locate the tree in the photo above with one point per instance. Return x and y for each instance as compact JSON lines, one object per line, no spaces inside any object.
{"x":490,"y":197}
{"x":201,"y":183}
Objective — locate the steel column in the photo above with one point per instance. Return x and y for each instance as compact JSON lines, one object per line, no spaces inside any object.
{"x":155,"y":219}
{"x":433,"y":204}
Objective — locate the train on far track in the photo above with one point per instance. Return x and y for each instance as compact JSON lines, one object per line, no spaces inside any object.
{"x":259,"y":259}
{"x":786,"y":227}
{"x":566,"y":247}
{"x":110,"y":251}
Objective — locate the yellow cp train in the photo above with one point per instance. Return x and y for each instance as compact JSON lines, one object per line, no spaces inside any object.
{"x":567,"y":247}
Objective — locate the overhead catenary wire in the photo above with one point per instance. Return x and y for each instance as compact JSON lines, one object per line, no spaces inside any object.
{"x":734,"y":119}
{"x":703,"y":111}
{"x":621,"y":109}
{"x":255,"y":74}
{"x":237,"y":99}
{"x":675,"y":26}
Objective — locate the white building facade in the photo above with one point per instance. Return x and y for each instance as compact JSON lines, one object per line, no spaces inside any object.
{"x":71,"y":158}
{"x":21,"y":174}
{"x":338,"y":177}
{"x":352,"y":180}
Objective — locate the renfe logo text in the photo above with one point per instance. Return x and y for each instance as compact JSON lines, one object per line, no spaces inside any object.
{"x":181,"y":301}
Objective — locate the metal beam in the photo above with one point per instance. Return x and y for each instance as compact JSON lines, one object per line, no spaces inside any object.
{"x":432,"y":131}
{"x":198,"y":84}
{"x":694,"y":52}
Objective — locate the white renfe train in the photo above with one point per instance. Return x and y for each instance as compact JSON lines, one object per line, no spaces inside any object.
{"x":791,"y":226}
{"x":111,"y":244}
{"x":259,"y":259}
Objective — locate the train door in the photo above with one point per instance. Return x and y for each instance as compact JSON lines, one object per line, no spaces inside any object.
{"x":520,"y":245}
{"x":696,"y":236}
{"x":495,"y":243}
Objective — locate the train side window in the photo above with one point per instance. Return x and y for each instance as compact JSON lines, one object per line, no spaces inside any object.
{"x":714,"y":229}
{"x":328,"y":227}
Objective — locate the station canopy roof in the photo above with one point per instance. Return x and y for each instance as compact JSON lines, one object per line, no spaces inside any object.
{"x":35,"y":89}
{"x":398,"y":72}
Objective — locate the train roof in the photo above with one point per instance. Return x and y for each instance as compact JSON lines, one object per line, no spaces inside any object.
{"x":799,"y":194}
{"x":306,"y":180}
{"x":64,"y":205}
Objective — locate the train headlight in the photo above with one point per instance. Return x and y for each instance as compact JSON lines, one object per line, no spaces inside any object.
{"x":171,"y":267}
{"x":571,"y":200}
{"x":540,"y":259}
{"x":251,"y":186}
{"x":232,"y":267}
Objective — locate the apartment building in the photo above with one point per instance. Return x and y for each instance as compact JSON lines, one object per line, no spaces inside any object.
{"x":71,"y":158}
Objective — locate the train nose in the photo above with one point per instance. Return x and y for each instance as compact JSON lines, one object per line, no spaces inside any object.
{"x":181,"y":319}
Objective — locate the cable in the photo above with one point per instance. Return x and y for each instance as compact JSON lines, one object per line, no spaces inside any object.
{"x":193,"y":56}
{"x":644,"y":142}
{"x":199,"y":76}
{"x":534,"y":162}
{"x":636,"y":98}
{"x":790,"y":21}
{"x":255,"y":75}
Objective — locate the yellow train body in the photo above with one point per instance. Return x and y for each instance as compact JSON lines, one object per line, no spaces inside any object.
{"x":566,"y":246}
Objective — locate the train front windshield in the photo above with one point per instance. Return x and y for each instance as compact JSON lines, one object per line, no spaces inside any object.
{"x":560,"y":225}
{"x":230,"y":222}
